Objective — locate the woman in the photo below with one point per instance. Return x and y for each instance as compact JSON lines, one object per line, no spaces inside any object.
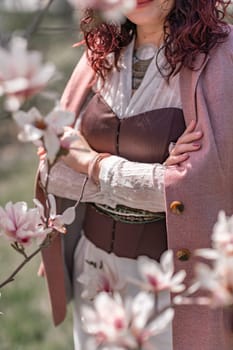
{"x":167,"y":67}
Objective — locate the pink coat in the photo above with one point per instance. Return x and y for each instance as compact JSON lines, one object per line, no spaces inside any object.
{"x":195,"y":191}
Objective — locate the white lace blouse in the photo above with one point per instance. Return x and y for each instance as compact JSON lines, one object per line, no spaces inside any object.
{"x":133,"y":184}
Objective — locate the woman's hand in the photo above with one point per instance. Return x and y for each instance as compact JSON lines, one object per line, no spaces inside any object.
{"x":41,"y":270}
{"x":80,"y":153}
{"x":189,"y":141}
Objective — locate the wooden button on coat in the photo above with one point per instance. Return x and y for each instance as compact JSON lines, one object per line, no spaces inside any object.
{"x":177,"y":207}
{"x":183,"y":254}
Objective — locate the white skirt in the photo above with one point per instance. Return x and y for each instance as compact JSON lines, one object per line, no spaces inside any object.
{"x":126,"y":269}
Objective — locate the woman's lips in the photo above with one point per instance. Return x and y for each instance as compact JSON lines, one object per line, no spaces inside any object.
{"x":141,"y":3}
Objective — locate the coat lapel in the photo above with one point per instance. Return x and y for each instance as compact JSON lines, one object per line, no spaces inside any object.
{"x":188,"y":84}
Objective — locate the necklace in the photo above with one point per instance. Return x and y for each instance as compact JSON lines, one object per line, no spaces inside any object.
{"x":145,"y":52}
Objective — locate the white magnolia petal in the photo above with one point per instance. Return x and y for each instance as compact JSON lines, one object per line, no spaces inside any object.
{"x":30,"y":134}
{"x":16,"y":85}
{"x":142,"y":308}
{"x":52,"y":145}
{"x":178,"y":288}
{"x":52,"y":205}
{"x":180,"y":300}
{"x":13,"y":103}
{"x":90,"y":319}
{"x":43,"y":75}
{"x":58,"y":119}
{"x":161,"y":322}
{"x":68,"y":216}
{"x":34,"y":115}
{"x":109,"y":308}
{"x":193,"y":288}
{"x":210,"y":254}
{"x":40,"y":207}
{"x":167,"y":263}
{"x":147,"y":266}
{"x":205,"y":276}
{"x":22,"y":118}
{"x":178,"y":277}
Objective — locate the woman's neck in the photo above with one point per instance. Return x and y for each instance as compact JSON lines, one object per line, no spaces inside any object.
{"x":148,"y":35}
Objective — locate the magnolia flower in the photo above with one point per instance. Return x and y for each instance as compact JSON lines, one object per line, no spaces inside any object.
{"x":222,"y":237}
{"x":118,"y":325}
{"x":22,"y":73}
{"x":108,"y":321}
{"x":55,"y":221}
{"x":160,"y":276}
{"x":21,"y":224}
{"x":141,"y":325}
{"x":109,"y":9}
{"x":49,"y":129}
{"x":218,"y":281}
{"x":217,"y":278}
{"x":99,"y":276}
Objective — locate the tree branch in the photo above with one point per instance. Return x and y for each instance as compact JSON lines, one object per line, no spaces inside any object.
{"x":28,"y":258}
{"x":33,"y":27}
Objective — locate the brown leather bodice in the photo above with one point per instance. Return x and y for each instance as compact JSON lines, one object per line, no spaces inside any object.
{"x":141,"y":138}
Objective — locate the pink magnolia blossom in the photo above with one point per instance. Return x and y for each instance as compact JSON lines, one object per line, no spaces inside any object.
{"x":22,"y":73}
{"x":222,"y":239}
{"x":54,"y":220}
{"x":217,"y":279}
{"x":49,"y":129}
{"x":108,"y":321}
{"x":99,"y":276}
{"x":20,"y":224}
{"x":109,"y":9}
{"x":144,"y":325}
{"x":160,"y":276}
{"x":124,"y":325}
{"x":222,"y":236}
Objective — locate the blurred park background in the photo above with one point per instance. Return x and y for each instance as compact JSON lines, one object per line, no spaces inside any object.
{"x":26,"y":321}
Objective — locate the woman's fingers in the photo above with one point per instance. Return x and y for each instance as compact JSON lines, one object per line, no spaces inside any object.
{"x":41,"y":270}
{"x":174,"y":160}
{"x":190,"y":127}
{"x":190,"y":137}
{"x":41,"y":153}
{"x":185,"y":147}
{"x":189,"y":141}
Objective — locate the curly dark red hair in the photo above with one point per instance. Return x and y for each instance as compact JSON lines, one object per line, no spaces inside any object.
{"x":192,"y":27}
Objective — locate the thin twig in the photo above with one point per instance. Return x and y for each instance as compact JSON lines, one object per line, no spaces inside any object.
{"x":33,"y":27}
{"x":19,"y":249}
{"x":45,"y":244}
{"x":26,"y":260}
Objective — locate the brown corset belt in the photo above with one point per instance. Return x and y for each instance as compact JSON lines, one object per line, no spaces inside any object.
{"x":123,"y":239}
